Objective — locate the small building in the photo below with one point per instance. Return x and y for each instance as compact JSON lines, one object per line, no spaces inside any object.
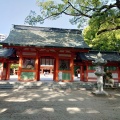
{"x":113,"y":65}
{"x":6,"y":58}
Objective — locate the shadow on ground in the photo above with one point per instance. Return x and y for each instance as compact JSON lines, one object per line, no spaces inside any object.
{"x":45,"y":104}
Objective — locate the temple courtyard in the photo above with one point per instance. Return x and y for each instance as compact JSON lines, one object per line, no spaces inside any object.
{"x":44,"y":103}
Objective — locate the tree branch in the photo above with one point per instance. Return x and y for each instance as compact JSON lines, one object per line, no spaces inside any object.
{"x":108,"y":7}
{"x":107,"y":30}
{"x":80,"y":12}
{"x":56,"y":14}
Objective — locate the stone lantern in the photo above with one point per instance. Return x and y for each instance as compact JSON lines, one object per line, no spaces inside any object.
{"x":99,"y":63}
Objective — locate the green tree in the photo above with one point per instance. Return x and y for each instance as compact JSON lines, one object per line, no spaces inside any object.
{"x":81,"y":12}
{"x":106,"y":41}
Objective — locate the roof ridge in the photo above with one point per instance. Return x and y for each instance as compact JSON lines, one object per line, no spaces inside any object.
{"x":96,"y":51}
{"x":47,"y":29}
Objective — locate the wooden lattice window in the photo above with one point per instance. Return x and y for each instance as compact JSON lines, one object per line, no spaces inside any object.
{"x":28,"y":63}
{"x":46,"y":61}
{"x":110,"y":68}
{"x":64,"y":65}
{"x":91,"y":68}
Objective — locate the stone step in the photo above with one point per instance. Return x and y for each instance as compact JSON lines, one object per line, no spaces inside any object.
{"x":49,"y":85}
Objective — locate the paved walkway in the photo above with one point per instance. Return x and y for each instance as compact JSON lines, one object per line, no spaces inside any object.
{"x":46,"y":104}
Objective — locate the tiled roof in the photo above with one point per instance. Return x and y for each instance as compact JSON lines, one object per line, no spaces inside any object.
{"x":4,"y":53}
{"x":45,"y":37}
{"x":92,"y":55}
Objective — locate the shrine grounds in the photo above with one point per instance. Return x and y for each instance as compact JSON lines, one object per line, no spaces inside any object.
{"x":46,"y":104}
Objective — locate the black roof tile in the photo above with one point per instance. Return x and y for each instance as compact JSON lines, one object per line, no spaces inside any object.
{"x":45,"y":37}
{"x":92,"y":55}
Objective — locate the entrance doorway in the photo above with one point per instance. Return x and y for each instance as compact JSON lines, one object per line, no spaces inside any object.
{"x":14,"y":72}
{"x":46,"y":68}
{"x":76,"y":73}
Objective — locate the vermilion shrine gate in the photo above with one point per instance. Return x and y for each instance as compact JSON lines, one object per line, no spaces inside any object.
{"x":53,"y":50}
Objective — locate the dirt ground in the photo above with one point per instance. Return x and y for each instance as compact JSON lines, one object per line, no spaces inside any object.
{"x":45,"y":104}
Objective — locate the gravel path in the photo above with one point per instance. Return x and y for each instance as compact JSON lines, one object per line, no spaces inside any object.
{"x":45,"y":104}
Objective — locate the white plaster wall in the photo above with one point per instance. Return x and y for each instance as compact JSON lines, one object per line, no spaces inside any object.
{"x":115,"y":75}
{"x":91,"y":75}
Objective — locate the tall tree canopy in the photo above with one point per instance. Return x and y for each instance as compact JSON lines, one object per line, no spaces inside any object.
{"x":102,"y":16}
{"x":80,"y":10}
{"x":106,"y":41}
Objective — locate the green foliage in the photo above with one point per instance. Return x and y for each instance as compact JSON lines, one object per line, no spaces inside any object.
{"x":80,"y":10}
{"x":14,"y":66}
{"x":106,"y":41}
{"x":95,"y":36}
{"x":52,"y":9}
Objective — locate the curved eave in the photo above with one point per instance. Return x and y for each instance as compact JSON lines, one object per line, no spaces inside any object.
{"x":45,"y":46}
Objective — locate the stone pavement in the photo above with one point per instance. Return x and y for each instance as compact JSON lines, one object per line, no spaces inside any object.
{"x":50,"y":104}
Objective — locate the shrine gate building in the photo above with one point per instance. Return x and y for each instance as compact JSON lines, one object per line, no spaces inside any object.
{"x":40,"y":50}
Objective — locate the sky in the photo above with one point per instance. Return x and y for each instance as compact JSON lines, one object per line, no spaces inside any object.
{"x":14,"y":12}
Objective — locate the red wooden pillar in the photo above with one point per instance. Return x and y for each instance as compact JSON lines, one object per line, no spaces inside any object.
{"x":119,"y":74}
{"x":1,"y":71}
{"x":7,"y":71}
{"x":82,"y":73}
{"x":72,"y":68}
{"x":37,"y":67}
{"x":20,"y":65}
{"x":56,"y":68}
{"x":86,"y":76}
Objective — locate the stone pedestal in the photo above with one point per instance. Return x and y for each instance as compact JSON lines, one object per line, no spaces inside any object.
{"x":100,"y":90}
